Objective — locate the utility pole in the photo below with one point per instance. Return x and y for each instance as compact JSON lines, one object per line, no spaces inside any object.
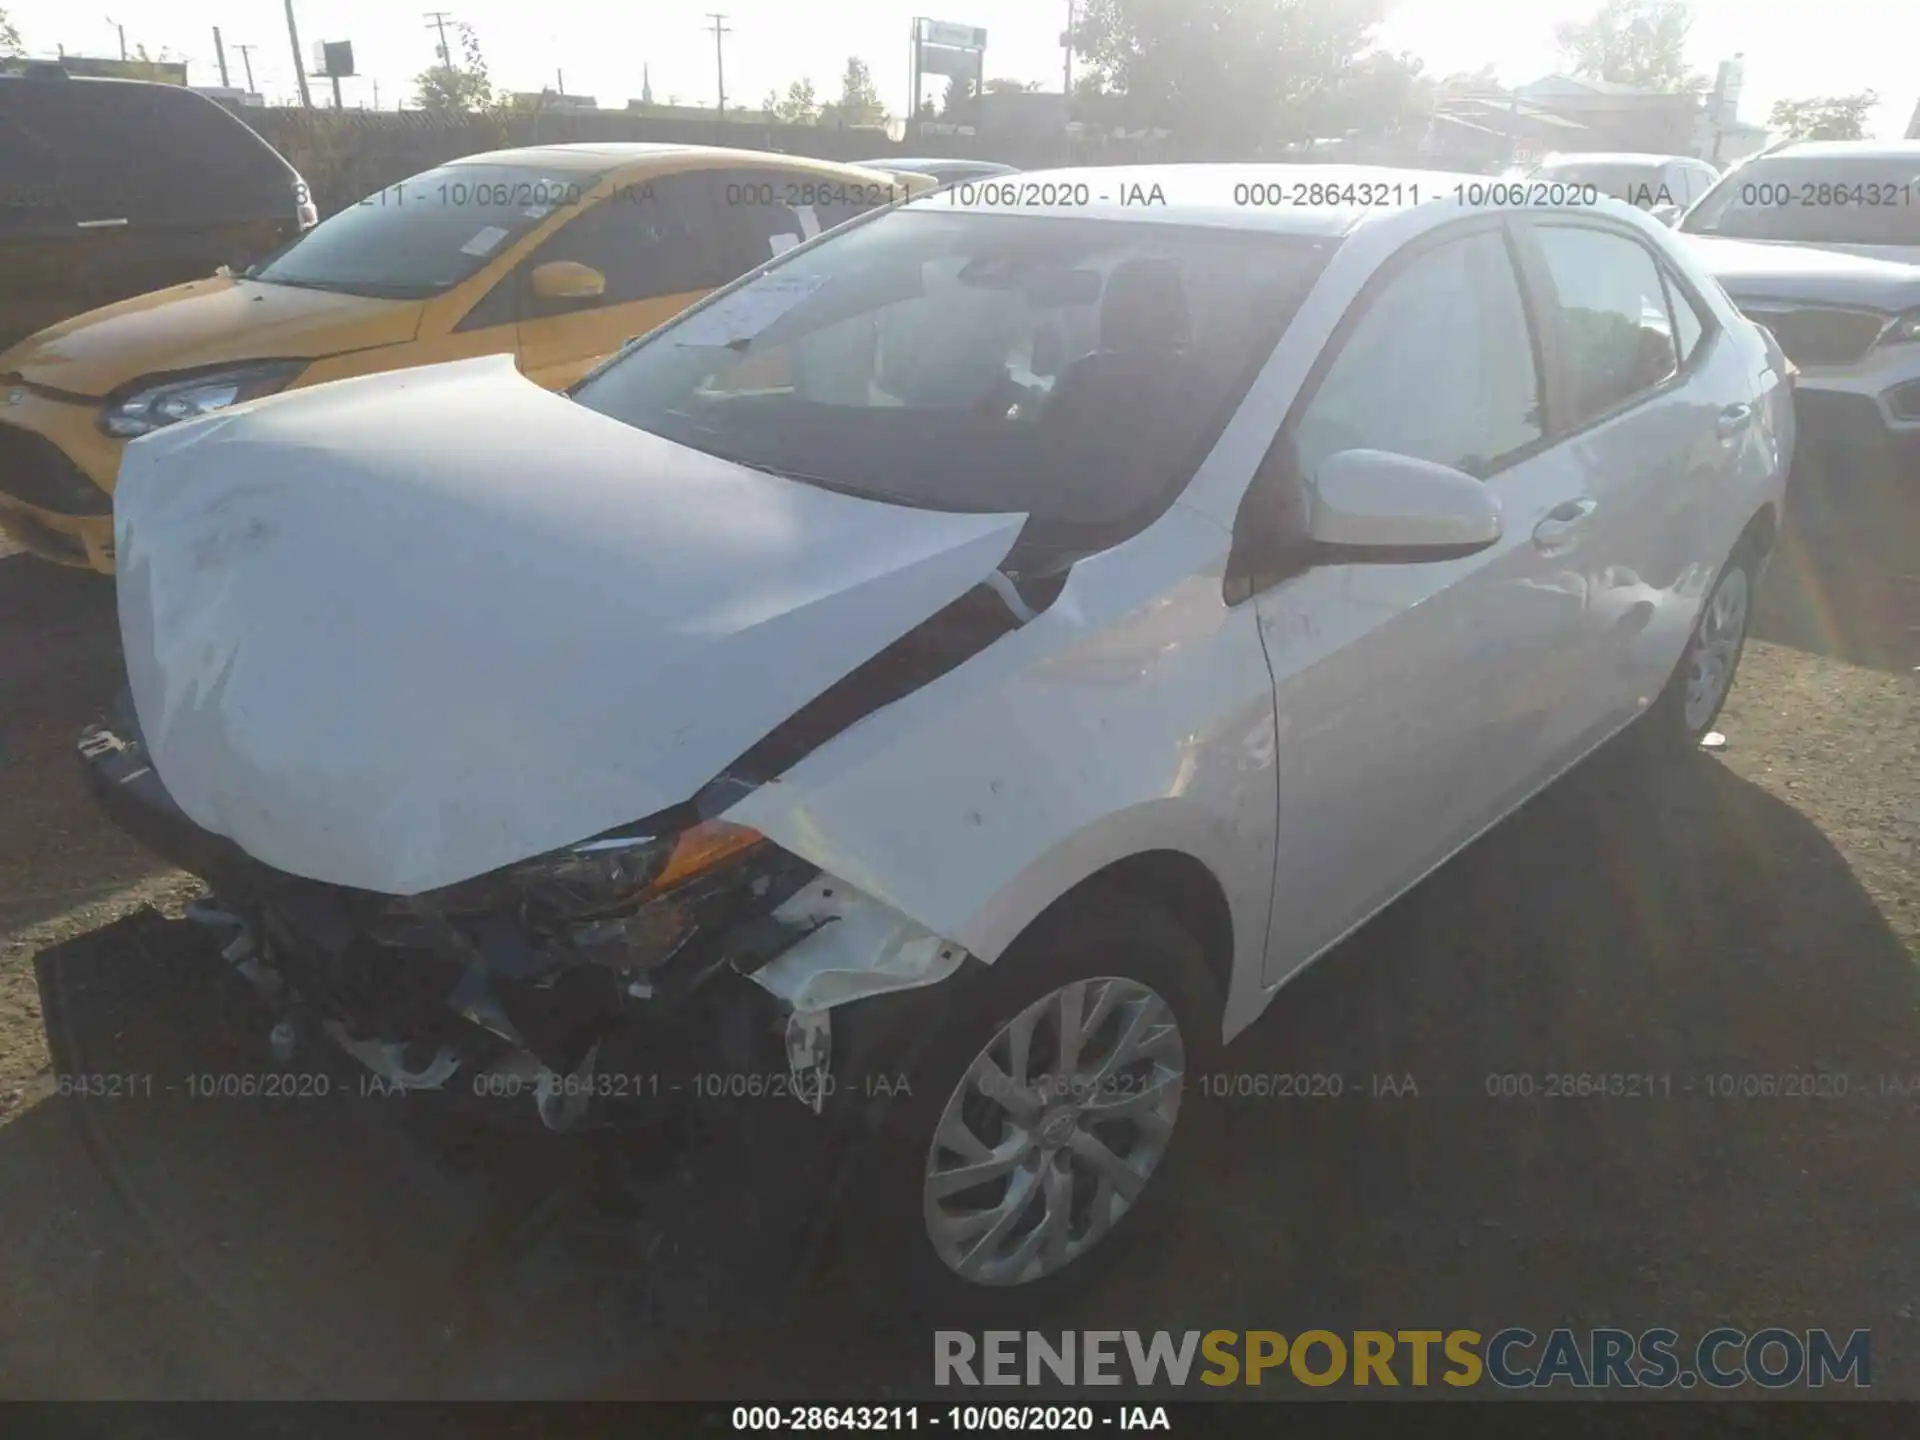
{"x":299,"y":65}
{"x":246,"y":59}
{"x":438,"y":21}
{"x":221,"y":51}
{"x":123,"y":35}
{"x":913,"y":83}
{"x":719,"y":60}
{"x":1066,"y":40}
{"x":376,"y":94}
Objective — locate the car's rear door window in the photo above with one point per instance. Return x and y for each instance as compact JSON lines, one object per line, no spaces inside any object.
{"x":1613,"y":325}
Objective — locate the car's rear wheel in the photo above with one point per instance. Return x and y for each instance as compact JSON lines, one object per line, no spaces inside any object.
{"x":1048,"y":1120}
{"x":1684,"y":712}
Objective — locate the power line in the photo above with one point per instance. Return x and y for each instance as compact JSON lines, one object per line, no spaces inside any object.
{"x":719,"y":60}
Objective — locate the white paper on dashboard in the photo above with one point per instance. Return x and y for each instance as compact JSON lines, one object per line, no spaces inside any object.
{"x":484,"y":242}
{"x":746,"y":312}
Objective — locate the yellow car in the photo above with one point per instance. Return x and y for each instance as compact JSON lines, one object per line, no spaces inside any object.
{"x":555,"y":254}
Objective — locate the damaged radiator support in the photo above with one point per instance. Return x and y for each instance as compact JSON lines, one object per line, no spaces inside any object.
{"x":825,"y":945}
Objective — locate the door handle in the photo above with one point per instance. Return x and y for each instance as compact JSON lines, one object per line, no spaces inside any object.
{"x":1563,"y":521}
{"x":1733,"y":419}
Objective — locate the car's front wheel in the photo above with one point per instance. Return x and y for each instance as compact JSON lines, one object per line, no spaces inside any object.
{"x":1048,"y":1120}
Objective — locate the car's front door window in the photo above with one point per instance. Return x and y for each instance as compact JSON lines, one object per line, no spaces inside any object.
{"x":648,"y":239}
{"x":1439,"y":367}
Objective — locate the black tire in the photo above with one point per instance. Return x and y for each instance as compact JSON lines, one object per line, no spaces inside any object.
{"x":881,"y":1247}
{"x":1666,"y":731}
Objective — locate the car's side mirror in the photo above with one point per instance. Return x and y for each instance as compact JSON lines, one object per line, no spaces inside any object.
{"x":1667,"y":214}
{"x":567,"y":280}
{"x":1371,"y":504}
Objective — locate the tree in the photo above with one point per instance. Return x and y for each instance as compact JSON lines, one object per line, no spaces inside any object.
{"x":957,"y":103}
{"x":458,"y":89}
{"x":1004,"y":86}
{"x":859,"y":102}
{"x":10,"y":37}
{"x":1632,"y":42}
{"x":1474,"y":82}
{"x":1378,"y":96}
{"x":1235,"y":75}
{"x":800,"y":107}
{"x":1826,"y":117}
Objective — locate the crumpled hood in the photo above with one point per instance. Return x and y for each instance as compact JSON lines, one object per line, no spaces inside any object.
{"x":205,"y":322}
{"x":399,"y":631}
{"x":1752,"y":269}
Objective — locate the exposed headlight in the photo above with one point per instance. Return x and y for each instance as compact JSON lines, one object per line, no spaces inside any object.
{"x":1905,"y":327}
{"x":596,"y":877}
{"x":167,"y":402}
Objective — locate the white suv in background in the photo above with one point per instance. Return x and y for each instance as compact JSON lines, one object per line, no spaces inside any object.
{"x":1663,"y":184}
{"x":1820,"y":242}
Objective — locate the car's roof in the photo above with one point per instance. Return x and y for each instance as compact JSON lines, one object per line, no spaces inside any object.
{"x":599,"y":156}
{"x":1617,"y":157}
{"x":1211,"y":195}
{"x":1850,"y":150}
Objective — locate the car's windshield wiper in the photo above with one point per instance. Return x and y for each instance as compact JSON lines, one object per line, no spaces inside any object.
{"x":366,"y":289}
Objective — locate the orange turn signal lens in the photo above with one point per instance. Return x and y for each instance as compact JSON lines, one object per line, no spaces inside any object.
{"x":700,"y":849}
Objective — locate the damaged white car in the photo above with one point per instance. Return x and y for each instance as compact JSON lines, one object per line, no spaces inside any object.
{"x":922,"y":702}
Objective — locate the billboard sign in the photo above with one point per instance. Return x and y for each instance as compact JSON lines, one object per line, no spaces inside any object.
{"x":333,"y":58}
{"x":953,"y":37}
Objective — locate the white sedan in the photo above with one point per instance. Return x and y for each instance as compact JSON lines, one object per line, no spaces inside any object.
{"x":913,"y":709}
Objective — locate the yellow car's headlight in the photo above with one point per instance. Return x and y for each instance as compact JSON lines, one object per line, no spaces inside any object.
{"x":149,"y":405}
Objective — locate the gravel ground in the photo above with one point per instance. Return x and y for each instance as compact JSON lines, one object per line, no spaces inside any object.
{"x":1758,"y":914}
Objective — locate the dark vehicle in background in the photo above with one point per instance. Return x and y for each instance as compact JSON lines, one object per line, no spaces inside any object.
{"x":947,"y":172}
{"x":113,"y":188}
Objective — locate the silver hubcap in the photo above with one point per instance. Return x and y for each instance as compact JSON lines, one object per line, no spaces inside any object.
{"x":1054,"y":1131}
{"x":1716,"y":648}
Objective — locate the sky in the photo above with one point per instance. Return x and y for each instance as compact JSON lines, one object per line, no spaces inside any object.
{"x":1793,"y":48}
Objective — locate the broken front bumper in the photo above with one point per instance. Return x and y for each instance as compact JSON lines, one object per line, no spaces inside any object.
{"x":747,"y":1008}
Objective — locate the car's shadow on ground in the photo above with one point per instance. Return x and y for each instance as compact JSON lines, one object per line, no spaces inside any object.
{"x":1845,"y":582}
{"x":1683,"y":933}
{"x":59,"y":666}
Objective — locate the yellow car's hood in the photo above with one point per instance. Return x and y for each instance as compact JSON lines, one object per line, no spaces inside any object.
{"x":205,"y":322}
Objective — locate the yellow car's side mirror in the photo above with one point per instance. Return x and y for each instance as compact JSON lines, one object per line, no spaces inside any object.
{"x":567,"y":280}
